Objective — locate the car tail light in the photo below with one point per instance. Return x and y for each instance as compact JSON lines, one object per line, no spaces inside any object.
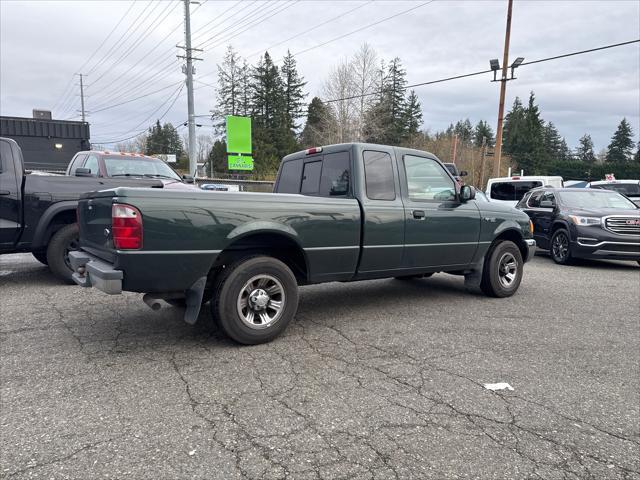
{"x":126,"y":227}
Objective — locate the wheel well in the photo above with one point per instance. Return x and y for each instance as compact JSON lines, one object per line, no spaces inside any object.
{"x":515,"y":237}
{"x":557,"y":226}
{"x":66,"y":217}
{"x":273,"y":244}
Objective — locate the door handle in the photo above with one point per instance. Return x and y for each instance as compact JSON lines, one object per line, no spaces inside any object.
{"x":418,"y":214}
{"x":5,"y":192}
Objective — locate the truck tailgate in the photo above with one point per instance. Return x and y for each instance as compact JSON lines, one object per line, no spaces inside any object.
{"x":94,"y":218}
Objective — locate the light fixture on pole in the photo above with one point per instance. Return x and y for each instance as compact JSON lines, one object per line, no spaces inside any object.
{"x":517,"y":62}
{"x":495,"y":66}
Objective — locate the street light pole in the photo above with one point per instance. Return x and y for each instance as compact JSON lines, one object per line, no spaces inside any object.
{"x":503,"y":87}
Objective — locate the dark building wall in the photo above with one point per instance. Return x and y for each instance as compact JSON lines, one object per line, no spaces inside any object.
{"x":38,"y":139}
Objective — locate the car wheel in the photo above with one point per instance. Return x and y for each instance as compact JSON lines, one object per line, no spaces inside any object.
{"x":255,"y":299}
{"x":502,"y":272}
{"x":41,"y":256}
{"x":560,"y":247}
{"x":63,"y":241}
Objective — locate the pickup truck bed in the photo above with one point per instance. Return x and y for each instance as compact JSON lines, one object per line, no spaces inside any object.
{"x":340,"y":213}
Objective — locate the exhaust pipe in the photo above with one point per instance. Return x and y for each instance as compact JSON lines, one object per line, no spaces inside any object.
{"x":152,"y":301}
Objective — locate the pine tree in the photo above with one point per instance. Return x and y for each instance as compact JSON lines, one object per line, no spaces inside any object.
{"x":217,"y":158}
{"x":621,"y":147}
{"x":293,"y":91}
{"x":229,"y":93}
{"x":164,"y":139}
{"x":553,"y":148}
{"x":412,"y":115}
{"x":636,"y":157}
{"x":317,"y":129}
{"x":584,"y":151}
{"x":523,"y":137}
{"x":464,"y":131}
{"x":483,"y":131}
{"x":513,"y":129}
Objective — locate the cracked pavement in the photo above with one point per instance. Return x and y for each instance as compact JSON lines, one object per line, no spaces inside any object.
{"x":374,"y":380}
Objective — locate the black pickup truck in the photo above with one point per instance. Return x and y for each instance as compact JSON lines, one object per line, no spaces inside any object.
{"x":339,"y":213}
{"x":38,"y":212}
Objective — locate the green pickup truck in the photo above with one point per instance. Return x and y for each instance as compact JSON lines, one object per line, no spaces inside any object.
{"x":338,"y":213}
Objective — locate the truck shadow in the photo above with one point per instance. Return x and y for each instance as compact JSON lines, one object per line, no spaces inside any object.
{"x":620,"y":265}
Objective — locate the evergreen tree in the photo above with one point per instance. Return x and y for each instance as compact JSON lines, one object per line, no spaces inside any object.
{"x":217,"y":158}
{"x":621,"y":147}
{"x":513,"y":129}
{"x":413,"y":115}
{"x":483,"y":131}
{"x":317,"y":129}
{"x":584,"y":151}
{"x":553,"y":146}
{"x":229,"y":93}
{"x":464,"y":131}
{"x":245,"y":90}
{"x":164,"y":139}
{"x":293,"y":91}
{"x":636,"y":157}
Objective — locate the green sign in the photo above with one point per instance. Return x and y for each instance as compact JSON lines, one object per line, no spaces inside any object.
{"x":237,"y":162}
{"x":238,"y":134}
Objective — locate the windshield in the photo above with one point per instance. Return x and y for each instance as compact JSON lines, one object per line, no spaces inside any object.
{"x":138,"y":167}
{"x":589,"y":200}
{"x":628,"y":189}
{"x":513,"y":191}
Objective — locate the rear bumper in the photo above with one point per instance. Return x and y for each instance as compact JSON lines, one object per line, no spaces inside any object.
{"x":531,"y":248}
{"x":90,"y":271}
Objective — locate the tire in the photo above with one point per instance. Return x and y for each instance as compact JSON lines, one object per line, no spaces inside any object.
{"x":243,"y":302}
{"x":502,"y":272}
{"x":560,"y":247}
{"x":413,"y":277}
{"x":63,"y":241}
{"x":41,"y":256}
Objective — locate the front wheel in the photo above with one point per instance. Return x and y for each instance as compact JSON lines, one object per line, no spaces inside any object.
{"x":502,"y":271}
{"x":560,"y":249}
{"x":255,"y":299}
{"x":62,"y":242}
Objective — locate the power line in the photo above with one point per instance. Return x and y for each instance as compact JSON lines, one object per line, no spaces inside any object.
{"x":142,"y":131}
{"x":219,"y":19}
{"x":456,"y":77}
{"x":304,"y":32}
{"x":362,"y":28}
{"x":133,"y":99}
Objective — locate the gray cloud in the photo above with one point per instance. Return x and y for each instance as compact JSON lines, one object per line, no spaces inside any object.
{"x":44,"y":43}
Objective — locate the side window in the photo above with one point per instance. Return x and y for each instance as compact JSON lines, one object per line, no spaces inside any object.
{"x":76,"y":162}
{"x":335,"y":175}
{"x":427,"y":180}
{"x":548,"y":200}
{"x":534,"y":200}
{"x":92,"y":164}
{"x":311,"y":178}
{"x":289,"y":181}
{"x":378,"y":174}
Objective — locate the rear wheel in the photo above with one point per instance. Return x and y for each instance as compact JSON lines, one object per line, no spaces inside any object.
{"x":63,"y":241}
{"x":41,"y":255}
{"x":502,"y":272}
{"x":255,"y":299}
{"x":560,"y":247}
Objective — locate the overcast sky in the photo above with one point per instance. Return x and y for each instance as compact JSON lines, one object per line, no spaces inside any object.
{"x":43,"y":43}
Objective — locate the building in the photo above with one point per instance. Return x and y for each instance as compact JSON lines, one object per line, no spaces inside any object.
{"x":46,"y":144}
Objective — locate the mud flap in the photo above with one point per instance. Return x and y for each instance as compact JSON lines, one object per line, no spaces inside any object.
{"x":473,"y":279}
{"x":193,"y":299}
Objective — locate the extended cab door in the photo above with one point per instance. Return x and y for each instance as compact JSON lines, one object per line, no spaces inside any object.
{"x":439,"y":229}
{"x":10,"y":201}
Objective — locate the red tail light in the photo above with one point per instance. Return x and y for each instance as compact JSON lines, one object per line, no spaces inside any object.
{"x":126,"y":226}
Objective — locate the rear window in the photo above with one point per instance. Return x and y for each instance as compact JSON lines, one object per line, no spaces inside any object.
{"x":289,"y":181}
{"x":512,"y":191}
{"x":628,"y":189}
{"x":311,"y":178}
{"x":326,"y":176}
{"x":378,"y":172}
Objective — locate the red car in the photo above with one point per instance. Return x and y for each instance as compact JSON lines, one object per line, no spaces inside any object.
{"x":126,"y":165}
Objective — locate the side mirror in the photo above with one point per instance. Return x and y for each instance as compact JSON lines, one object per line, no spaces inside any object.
{"x":546,"y":204}
{"x":83,"y":172}
{"x":467,"y":193}
{"x":187,"y":178}
{"x":463,"y":173}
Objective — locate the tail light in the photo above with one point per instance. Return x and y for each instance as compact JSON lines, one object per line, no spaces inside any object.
{"x":126,"y":227}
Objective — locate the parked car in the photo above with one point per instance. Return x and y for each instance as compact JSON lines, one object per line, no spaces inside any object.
{"x":629,"y":188}
{"x":38,"y":211}
{"x":104,"y":164}
{"x":453,"y":169}
{"x":583,"y":223}
{"x":511,"y":189}
{"x":339,"y":213}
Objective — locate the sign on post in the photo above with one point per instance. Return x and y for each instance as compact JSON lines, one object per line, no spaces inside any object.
{"x":239,"y":143}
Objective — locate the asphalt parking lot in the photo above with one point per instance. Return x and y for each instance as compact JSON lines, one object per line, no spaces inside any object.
{"x":380,"y":379}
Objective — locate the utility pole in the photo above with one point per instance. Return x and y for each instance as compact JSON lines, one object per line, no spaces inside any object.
{"x":503,"y":87}
{"x":82,"y":98}
{"x":189,"y":71}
